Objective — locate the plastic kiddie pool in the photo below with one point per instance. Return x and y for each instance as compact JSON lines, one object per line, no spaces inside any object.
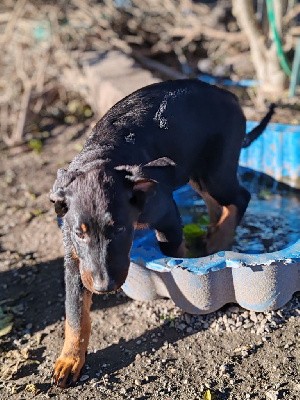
{"x":258,"y":282}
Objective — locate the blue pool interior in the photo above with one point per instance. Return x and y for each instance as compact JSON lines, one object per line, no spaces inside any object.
{"x":276,"y":153}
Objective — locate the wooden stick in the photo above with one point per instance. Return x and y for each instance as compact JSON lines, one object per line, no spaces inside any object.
{"x":17,"y":12}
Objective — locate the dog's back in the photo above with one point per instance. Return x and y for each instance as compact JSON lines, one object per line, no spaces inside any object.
{"x":177,"y":119}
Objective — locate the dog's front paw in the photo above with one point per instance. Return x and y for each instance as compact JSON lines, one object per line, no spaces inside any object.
{"x":67,"y":370}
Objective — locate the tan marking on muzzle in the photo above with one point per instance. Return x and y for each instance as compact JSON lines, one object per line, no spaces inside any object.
{"x":87,"y":280}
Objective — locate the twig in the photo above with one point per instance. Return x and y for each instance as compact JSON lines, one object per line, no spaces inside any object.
{"x":189,"y":35}
{"x":159,"y":67}
{"x":18,"y":10}
{"x":17,"y":134}
{"x":292,"y":13}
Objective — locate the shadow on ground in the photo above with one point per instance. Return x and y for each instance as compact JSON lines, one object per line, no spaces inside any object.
{"x":35,"y":294}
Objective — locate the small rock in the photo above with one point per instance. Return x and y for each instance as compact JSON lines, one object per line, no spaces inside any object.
{"x":271,"y":395}
{"x":182,"y":326}
{"x":244,"y":353}
{"x":205,"y":65}
{"x":222,"y":369}
{"x":234,"y":309}
{"x":84,"y":378}
{"x":297,"y":387}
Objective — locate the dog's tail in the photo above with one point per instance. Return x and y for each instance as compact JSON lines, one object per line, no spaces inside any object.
{"x":258,"y":130}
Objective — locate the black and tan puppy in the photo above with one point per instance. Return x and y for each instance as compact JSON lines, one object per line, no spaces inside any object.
{"x":147,"y":145}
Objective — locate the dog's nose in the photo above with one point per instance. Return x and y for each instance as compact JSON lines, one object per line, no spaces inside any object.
{"x":100,"y":286}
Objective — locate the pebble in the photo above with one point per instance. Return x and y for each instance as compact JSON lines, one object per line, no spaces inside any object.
{"x":297,"y":387}
{"x":181,"y":326}
{"x":235,"y":318}
{"x":84,"y":378}
{"x":222,"y":369}
{"x":271,"y":395}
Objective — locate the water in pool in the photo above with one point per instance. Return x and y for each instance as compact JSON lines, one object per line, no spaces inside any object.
{"x":271,"y":222}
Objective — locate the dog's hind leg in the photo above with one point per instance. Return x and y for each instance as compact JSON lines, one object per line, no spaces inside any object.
{"x":77,"y":325}
{"x":226,"y":205}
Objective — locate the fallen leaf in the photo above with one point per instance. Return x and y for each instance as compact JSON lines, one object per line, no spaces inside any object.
{"x":207,"y":395}
{"x":6,"y":323}
{"x":31,"y":388}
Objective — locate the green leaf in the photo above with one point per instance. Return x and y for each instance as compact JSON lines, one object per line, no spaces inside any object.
{"x":36,"y":145}
{"x":192,"y":231}
{"x":264,"y":194}
{"x":87,"y":111}
{"x":37,"y":212}
{"x":6,"y":323}
{"x":203,"y":220}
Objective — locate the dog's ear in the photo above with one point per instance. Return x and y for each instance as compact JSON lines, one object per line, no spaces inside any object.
{"x":57,"y":194}
{"x":160,"y":162}
{"x":65,"y":178}
{"x":162,"y":170}
{"x":134,"y":174}
{"x":141,"y":186}
{"x":144,"y":185}
{"x":145,"y":171}
{"x":58,"y":197}
{"x":144,"y":178}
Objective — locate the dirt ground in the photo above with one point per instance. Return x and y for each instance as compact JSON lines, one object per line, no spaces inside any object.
{"x":137,"y":350}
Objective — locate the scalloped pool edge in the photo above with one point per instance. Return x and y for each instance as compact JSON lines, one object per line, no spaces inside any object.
{"x":259,"y":282}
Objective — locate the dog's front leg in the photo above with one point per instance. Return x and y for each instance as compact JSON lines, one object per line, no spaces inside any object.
{"x":77,"y":326}
{"x":169,"y":233}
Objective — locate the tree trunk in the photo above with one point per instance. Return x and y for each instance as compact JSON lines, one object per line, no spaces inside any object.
{"x":271,"y":78}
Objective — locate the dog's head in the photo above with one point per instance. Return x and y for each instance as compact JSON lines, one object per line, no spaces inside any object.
{"x":100,"y":207}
